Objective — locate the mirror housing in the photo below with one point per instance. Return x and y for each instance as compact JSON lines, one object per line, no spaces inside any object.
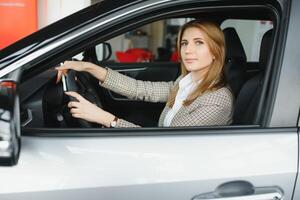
{"x":10,"y":141}
{"x":103,"y":51}
{"x":100,"y":52}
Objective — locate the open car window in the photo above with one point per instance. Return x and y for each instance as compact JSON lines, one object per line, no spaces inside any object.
{"x":147,"y":52}
{"x":154,"y":42}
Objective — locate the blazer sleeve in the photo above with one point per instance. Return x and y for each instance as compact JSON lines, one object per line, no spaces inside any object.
{"x":126,"y":124}
{"x":136,"y":89}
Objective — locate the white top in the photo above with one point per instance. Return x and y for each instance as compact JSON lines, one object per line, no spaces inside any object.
{"x":186,"y":86}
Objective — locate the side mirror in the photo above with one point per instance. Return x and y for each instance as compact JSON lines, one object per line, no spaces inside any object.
{"x":100,"y":52}
{"x":103,"y":51}
{"x":10,"y":141}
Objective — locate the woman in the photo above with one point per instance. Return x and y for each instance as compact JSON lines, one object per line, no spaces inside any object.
{"x":199,"y":97}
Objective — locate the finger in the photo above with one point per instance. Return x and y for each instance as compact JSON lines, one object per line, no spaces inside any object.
{"x":75,"y":95}
{"x":73,"y":104}
{"x":77,"y":116}
{"x":58,"y":77}
{"x":60,"y":72}
{"x":68,"y":65}
{"x":75,"y":111}
{"x":64,"y":66}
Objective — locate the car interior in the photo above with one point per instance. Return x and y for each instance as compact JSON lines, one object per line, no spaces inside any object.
{"x":44,"y":105}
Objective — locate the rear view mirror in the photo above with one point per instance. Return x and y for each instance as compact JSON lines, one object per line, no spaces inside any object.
{"x":9,"y":123}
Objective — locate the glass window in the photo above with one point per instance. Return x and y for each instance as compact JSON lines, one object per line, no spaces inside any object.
{"x":150,"y":43}
{"x":250,"y":33}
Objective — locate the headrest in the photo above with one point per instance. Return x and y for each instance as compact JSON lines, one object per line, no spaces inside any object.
{"x":265,"y":48}
{"x":233,"y":44}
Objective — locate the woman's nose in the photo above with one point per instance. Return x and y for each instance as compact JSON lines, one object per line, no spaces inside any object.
{"x":189,"y":48}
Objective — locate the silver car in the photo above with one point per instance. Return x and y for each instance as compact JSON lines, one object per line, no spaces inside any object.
{"x":47,"y":154}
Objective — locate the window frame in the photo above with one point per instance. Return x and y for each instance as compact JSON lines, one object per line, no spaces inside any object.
{"x":93,"y":38}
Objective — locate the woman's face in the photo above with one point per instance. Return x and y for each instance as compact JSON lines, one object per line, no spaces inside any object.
{"x":195,"y":53}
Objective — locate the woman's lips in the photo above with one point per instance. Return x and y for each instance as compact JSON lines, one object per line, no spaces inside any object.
{"x":190,"y":60}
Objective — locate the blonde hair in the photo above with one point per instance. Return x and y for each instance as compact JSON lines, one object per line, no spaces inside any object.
{"x":214,"y":78}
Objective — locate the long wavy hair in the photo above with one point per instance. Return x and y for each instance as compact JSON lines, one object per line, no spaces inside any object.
{"x":214,"y":78}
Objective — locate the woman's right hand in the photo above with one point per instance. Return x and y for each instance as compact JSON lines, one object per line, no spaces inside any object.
{"x":83,"y":109}
{"x":81,"y":66}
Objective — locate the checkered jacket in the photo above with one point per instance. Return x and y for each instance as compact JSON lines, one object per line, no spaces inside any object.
{"x":211,"y":108}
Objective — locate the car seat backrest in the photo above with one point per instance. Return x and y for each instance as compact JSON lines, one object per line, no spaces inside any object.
{"x":248,"y":98}
{"x":265,"y":49}
{"x":235,"y":60}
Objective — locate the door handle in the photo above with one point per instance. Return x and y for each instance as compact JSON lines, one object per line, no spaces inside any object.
{"x":241,"y":190}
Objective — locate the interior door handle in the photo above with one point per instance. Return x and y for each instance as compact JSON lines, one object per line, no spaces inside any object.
{"x":29,"y":118}
{"x":241,"y":190}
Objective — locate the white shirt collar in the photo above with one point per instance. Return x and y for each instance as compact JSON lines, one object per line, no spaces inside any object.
{"x":185,"y":81}
{"x":186,"y":86}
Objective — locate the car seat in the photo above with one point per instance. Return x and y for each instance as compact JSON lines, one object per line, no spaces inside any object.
{"x":235,"y":60}
{"x":248,"y":98}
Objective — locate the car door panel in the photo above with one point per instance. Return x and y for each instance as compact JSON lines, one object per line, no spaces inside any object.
{"x":149,"y":167}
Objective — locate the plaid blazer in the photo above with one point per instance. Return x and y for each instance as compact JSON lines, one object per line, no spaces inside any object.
{"x":211,"y":108}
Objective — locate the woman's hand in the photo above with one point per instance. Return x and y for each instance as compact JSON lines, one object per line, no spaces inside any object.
{"x":84,"y":109}
{"x":67,"y":65}
{"x":80,"y":66}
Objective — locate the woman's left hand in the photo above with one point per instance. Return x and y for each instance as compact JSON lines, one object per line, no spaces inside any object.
{"x":88,"y":111}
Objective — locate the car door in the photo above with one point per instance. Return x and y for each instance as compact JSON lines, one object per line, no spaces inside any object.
{"x":257,"y":161}
{"x":297,"y":184}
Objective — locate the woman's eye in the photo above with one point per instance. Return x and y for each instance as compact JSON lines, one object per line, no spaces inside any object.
{"x":183,"y":43}
{"x":199,"y":42}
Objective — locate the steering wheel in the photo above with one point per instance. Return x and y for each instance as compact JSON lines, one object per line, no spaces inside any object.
{"x":80,"y":83}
